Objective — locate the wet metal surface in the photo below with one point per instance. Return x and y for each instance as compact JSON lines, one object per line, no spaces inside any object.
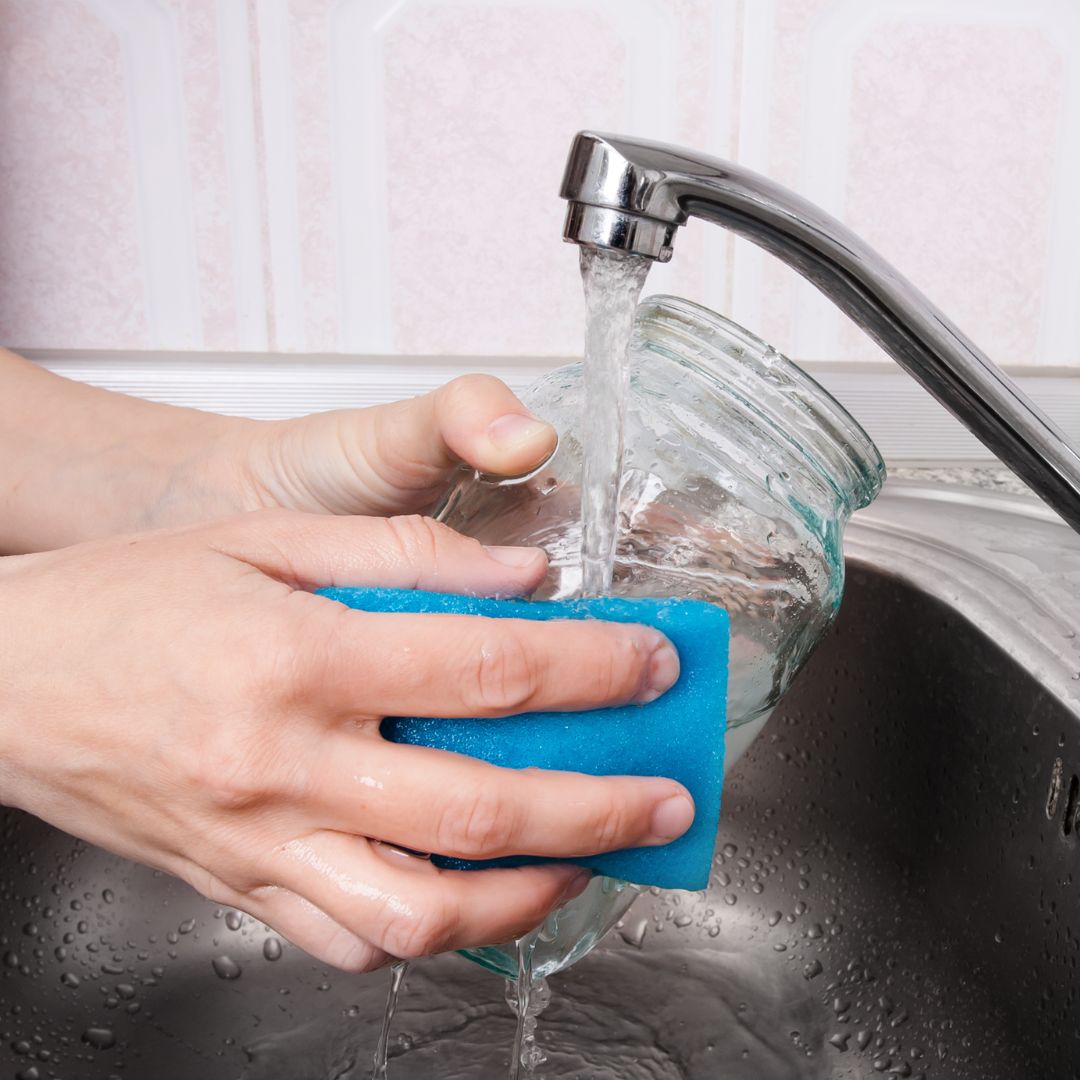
{"x":894,"y":893}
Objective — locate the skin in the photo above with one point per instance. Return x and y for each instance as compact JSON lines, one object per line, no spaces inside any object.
{"x":172,"y":690}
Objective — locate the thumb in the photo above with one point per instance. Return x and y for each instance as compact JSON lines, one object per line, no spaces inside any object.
{"x":481,"y":422}
{"x":311,"y":551}
{"x":404,"y":452}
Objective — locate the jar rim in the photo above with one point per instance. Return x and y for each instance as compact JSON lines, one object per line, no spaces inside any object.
{"x":719,"y":343}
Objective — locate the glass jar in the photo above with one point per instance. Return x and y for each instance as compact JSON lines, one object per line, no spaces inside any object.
{"x":740,"y":473}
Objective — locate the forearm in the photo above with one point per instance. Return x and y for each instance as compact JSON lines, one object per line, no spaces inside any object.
{"x":77,"y":462}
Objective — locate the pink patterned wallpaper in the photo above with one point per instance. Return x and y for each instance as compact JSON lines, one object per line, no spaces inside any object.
{"x":380,"y":176}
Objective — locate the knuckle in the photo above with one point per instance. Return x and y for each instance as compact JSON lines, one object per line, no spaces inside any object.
{"x":230,"y":780}
{"x":414,"y":537}
{"x":622,"y":667}
{"x":357,"y":957}
{"x":479,"y":823}
{"x":469,"y":387}
{"x":287,"y":652}
{"x":608,"y":824}
{"x":423,"y":933}
{"x":230,"y":769}
{"x":507,"y":674}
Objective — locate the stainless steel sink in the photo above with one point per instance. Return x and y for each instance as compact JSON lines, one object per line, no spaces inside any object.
{"x":893,"y":893}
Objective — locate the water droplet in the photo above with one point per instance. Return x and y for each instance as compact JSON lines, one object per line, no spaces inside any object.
{"x":840,"y":1040}
{"x":225,"y":967}
{"x":234,"y":920}
{"x":775,"y":917}
{"x":108,"y":896}
{"x":69,"y":978}
{"x":125,"y":991}
{"x":185,"y":928}
{"x":813,"y":969}
{"x":100,"y":1038}
{"x":730,"y":899}
{"x":272,"y":948}
{"x":683,"y":920}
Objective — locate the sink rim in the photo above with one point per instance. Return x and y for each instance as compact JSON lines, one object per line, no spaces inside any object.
{"x":1006,"y":562}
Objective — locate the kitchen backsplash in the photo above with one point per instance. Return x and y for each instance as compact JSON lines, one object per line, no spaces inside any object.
{"x":381,"y":176}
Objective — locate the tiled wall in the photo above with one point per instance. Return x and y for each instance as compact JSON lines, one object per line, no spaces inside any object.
{"x":380,"y":176}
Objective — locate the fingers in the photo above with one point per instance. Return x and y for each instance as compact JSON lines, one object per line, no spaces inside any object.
{"x":406,"y":906}
{"x":444,"y":803}
{"x":459,"y":665}
{"x":313,"y":550}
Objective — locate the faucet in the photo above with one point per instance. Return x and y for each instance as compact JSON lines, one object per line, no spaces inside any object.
{"x":631,"y":195}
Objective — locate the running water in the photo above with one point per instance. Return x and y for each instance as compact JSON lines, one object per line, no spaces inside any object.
{"x":397,"y":979}
{"x":612,"y":283}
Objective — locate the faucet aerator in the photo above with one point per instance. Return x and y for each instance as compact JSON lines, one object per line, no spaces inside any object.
{"x":618,"y":230}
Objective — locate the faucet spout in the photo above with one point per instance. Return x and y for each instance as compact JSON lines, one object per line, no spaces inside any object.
{"x":632,"y":195}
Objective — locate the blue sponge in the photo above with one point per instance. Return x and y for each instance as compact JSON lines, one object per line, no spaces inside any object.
{"x":680,"y":735}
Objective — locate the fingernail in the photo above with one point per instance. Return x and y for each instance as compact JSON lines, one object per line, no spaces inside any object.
{"x":672,"y":818}
{"x":517,"y":557}
{"x":514,"y":430}
{"x":662,"y":673}
{"x":578,"y":884}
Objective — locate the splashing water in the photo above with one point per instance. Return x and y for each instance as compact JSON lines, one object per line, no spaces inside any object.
{"x":612,"y":284}
{"x":397,"y":979}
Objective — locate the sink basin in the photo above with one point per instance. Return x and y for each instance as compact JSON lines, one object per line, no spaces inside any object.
{"x":893,"y":891}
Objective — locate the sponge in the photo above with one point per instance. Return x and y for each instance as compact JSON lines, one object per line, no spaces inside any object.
{"x":680,"y":735}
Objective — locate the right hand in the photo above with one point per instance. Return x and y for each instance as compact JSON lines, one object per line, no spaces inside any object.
{"x":183,"y":699}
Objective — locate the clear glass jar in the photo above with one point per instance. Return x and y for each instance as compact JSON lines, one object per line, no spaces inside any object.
{"x":739,"y":475}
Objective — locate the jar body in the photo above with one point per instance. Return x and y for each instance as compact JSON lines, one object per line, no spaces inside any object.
{"x":739,"y":474}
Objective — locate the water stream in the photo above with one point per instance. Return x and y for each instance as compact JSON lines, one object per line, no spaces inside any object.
{"x":397,"y":980}
{"x":612,"y":284}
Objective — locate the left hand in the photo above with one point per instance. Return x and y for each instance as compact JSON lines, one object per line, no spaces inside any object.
{"x":82,"y":463}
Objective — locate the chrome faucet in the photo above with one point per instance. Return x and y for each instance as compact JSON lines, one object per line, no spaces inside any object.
{"x":632,"y":195}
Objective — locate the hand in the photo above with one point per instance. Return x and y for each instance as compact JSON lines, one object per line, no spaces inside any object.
{"x":81,"y":463}
{"x":182,"y":699}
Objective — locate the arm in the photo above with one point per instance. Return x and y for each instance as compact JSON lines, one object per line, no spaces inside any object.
{"x":79,"y":463}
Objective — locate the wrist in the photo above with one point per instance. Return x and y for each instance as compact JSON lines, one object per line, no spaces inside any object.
{"x":82,"y":463}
